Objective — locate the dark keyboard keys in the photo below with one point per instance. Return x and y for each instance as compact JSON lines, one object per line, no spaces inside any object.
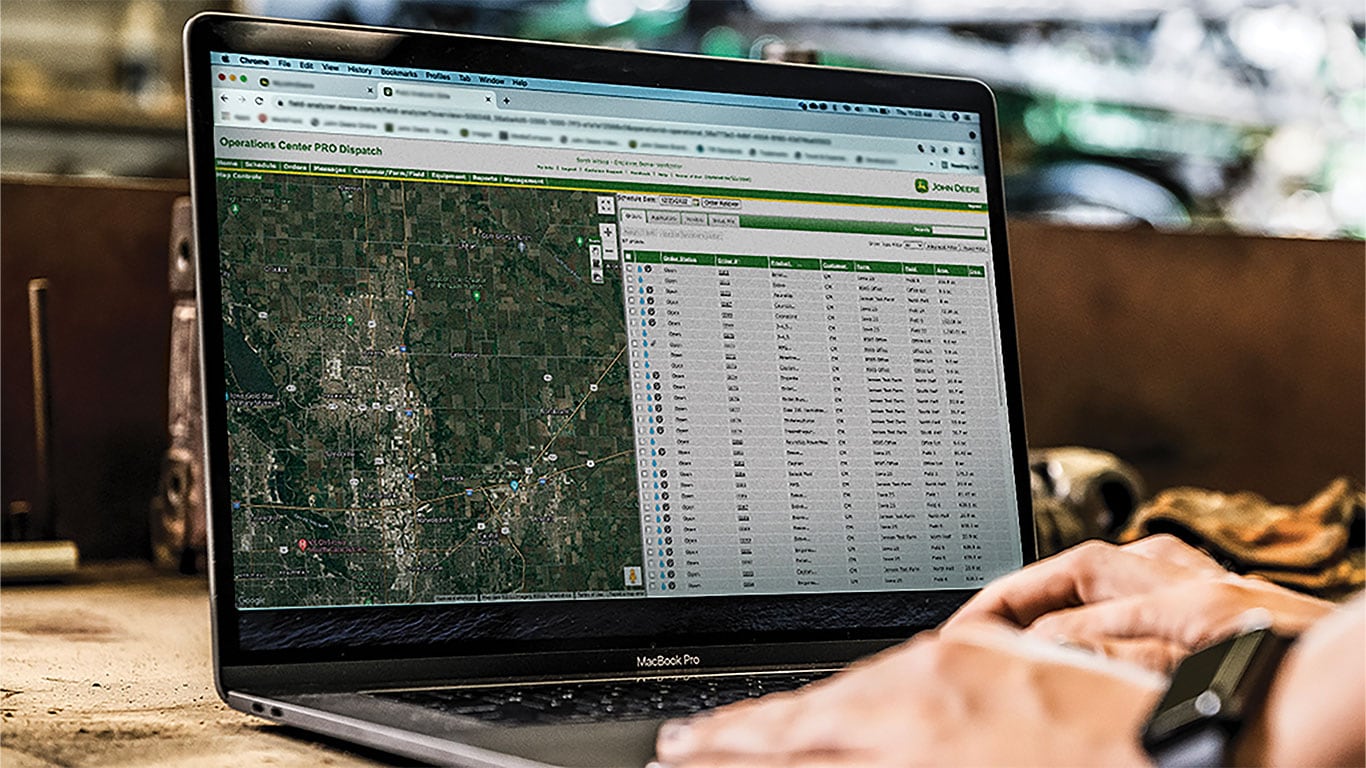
{"x":583,"y":702}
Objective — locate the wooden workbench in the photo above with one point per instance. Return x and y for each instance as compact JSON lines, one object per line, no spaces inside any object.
{"x":113,"y":668}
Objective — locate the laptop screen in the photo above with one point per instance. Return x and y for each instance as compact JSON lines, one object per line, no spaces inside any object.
{"x":494,"y":338}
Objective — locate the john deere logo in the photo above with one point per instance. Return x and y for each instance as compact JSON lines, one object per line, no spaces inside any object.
{"x":922,"y":186}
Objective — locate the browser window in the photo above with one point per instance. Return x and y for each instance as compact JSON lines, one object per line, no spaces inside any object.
{"x":493,"y":338}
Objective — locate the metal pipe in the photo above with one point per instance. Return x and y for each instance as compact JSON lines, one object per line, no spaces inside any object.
{"x":46,"y":506}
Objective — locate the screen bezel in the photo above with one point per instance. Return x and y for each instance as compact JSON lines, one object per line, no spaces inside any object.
{"x":464,"y":658}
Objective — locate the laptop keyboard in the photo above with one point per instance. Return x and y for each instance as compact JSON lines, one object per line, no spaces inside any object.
{"x":583,"y":702}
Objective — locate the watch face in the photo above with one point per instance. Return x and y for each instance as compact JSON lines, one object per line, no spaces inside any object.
{"x":1196,"y":674}
{"x":1177,"y":711}
{"x":1215,"y":685}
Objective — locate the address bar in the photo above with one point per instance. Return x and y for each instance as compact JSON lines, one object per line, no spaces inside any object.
{"x":473,"y":115}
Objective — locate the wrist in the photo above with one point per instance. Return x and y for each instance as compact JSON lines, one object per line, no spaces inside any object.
{"x":1252,"y":745}
{"x":1266,"y":739}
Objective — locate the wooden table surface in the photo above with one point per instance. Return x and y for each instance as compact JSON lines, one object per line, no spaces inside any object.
{"x":113,"y":668}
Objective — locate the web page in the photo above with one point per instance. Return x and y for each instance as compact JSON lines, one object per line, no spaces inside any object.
{"x":486,"y":351}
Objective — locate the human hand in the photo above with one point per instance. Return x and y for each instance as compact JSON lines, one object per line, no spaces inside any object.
{"x":1152,"y":602}
{"x":979,"y":694}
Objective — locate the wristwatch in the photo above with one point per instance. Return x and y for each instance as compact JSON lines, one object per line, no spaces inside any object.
{"x":1212,"y":694}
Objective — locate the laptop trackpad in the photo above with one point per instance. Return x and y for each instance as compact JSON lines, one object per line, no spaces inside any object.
{"x":629,"y":743}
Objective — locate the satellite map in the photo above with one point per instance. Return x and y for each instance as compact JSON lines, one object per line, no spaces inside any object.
{"x":427,"y":394}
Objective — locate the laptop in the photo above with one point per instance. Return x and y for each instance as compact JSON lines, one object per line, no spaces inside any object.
{"x":553,"y":391}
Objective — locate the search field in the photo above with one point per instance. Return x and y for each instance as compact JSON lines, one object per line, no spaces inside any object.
{"x":950,"y":231}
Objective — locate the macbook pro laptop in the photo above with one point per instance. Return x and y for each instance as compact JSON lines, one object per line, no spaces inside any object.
{"x":555,"y":391}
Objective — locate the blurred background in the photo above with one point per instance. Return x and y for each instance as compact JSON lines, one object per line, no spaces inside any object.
{"x":1186,"y":184}
{"x":1184,"y":114}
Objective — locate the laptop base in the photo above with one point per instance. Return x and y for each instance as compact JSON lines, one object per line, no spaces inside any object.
{"x":434,"y":737}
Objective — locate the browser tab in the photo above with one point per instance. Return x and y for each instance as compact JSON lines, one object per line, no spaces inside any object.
{"x":300,"y":81}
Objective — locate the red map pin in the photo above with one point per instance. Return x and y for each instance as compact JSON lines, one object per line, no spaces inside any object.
{"x":303,"y":544}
